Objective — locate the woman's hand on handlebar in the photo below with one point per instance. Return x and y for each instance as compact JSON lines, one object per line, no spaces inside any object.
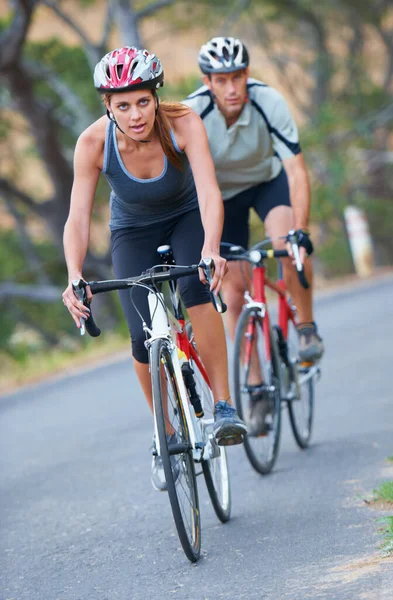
{"x":77,"y":309}
{"x":220,"y":270}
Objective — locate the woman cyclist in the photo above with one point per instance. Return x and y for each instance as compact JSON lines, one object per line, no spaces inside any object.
{"x":156,"y":159}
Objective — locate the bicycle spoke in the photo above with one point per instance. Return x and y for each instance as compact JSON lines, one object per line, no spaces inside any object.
{"x":215,"y":468}
{"x":179,"y":469}
{"x":301,"y":406}
{"x":257,"y":392}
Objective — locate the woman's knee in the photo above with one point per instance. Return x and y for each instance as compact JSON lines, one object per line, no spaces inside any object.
{"x":139,"y":350}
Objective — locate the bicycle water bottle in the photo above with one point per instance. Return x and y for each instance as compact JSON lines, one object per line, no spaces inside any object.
{"x":188,"y":376}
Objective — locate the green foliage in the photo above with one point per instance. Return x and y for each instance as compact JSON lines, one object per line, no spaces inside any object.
{"x":379,"y":212}
{"x":180,"y":90}
{"x":50,"y":318}
{"x":334,"y":253}
{"x":86,"y":3}
{"x":71,"y":65}
{"x":385,"y":492}
{"x":15,"y":262}
{"x":6,"y":21}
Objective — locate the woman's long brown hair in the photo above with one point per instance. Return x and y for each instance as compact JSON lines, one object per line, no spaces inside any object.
{"x":166,"y":112}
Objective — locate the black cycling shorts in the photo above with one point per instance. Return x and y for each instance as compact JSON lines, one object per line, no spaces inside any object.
{"x":134,"y":249}
{"x":262,"y":198}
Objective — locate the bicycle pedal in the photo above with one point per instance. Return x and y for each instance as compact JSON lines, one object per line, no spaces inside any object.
{"x":306,"y":364}
{"x":231,"y":440}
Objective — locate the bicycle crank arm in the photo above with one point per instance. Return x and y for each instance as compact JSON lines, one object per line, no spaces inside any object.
{"x":307,"y":373}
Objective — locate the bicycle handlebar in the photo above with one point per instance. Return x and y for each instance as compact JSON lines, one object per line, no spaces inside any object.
{"x":299,"y":265}
{"x":147,"y":278}
{"x":256,"y":255}
{"x":79,"y":287}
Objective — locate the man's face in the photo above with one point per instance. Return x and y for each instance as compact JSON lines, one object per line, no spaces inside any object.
{"x":230,"y":91}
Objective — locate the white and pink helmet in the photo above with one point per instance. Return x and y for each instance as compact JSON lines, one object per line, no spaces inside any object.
{"x":126,"y":69}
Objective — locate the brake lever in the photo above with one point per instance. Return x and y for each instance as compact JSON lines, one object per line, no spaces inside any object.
{"x":296,"y":254}
{"x":79,"y":287}
{"x":207,"y":265}
{"x":79,"y":291}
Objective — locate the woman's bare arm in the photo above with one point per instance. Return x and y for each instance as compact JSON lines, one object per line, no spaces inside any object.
{"x":191,"y":136}
{"x":77,"y":227}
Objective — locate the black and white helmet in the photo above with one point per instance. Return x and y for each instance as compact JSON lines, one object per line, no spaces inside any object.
{"x":223,"y":55}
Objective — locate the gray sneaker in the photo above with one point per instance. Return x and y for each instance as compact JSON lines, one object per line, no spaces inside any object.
{"x":157,"y":468}
{"x":260,"y":417}
{"x":228,"y":428}
{"x":311,"y":346}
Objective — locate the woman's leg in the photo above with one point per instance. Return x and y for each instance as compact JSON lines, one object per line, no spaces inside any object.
{"x":134,"y":250}
{"x":187,"y":240}
{"x":236,"y":232}
{"x":210,"y":338}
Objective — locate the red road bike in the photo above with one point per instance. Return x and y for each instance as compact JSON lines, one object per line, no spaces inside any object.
{"x":268,"y":352}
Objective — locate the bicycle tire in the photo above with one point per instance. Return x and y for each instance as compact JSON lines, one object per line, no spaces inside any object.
{"x":300,"y":410}
{"x":215,"y":469}
{"x":261,"y":451}
{"x":188,"y":529}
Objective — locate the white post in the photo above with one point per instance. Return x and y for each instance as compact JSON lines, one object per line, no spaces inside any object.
{"x":359,"y":240}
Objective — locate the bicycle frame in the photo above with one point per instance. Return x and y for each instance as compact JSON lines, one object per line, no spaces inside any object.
{"x":171,"y":327}
{"x":285,"y":311}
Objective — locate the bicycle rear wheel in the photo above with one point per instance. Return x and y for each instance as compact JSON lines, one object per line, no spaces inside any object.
{"x":250,"y":357}
{"x":214,"y":463}
{"x":301,"y":407}
{"x":177,"y":458}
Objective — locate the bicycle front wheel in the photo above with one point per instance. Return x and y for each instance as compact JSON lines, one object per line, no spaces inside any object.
{"x":301,"y":404}
{"x":214,"y":463}
{"x":176,"y":456}
{"x":251,"y":366}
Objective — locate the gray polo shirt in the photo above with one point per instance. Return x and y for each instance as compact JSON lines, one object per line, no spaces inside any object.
{"x":250,"y":151}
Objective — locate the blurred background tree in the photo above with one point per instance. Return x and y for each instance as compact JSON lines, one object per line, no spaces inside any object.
{"x":332,"y":61}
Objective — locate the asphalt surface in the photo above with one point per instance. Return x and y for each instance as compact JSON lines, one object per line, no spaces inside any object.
{"x":79,"y":519}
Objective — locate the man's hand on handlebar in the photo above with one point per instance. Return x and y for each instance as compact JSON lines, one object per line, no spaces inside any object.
{"x":299,"y":245}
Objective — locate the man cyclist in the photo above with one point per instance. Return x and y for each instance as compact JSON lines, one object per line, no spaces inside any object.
{"x":255,"y":147}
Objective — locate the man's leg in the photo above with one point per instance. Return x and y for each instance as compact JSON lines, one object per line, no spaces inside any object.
{"x":277,"y":223}
{"x":238,"y":278}
{"x":235,"y":283}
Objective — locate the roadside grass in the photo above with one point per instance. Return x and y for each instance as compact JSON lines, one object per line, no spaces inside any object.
{"x":387,"y":532}
{"x":390,"y":458}
{"x":385,"y":492}
{"x":383,"y":497}
{"x":38,"y":366}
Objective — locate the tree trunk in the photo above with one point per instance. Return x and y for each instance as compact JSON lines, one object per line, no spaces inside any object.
{"x":127,"y":23}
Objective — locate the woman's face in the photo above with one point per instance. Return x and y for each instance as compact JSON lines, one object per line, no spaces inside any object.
{"x":135,"y":112}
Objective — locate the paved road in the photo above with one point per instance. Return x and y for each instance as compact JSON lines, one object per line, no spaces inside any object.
{"x":80,"y":521}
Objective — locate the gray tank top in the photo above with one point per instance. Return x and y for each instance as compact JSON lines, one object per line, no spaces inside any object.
{"x":139,"y":202}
